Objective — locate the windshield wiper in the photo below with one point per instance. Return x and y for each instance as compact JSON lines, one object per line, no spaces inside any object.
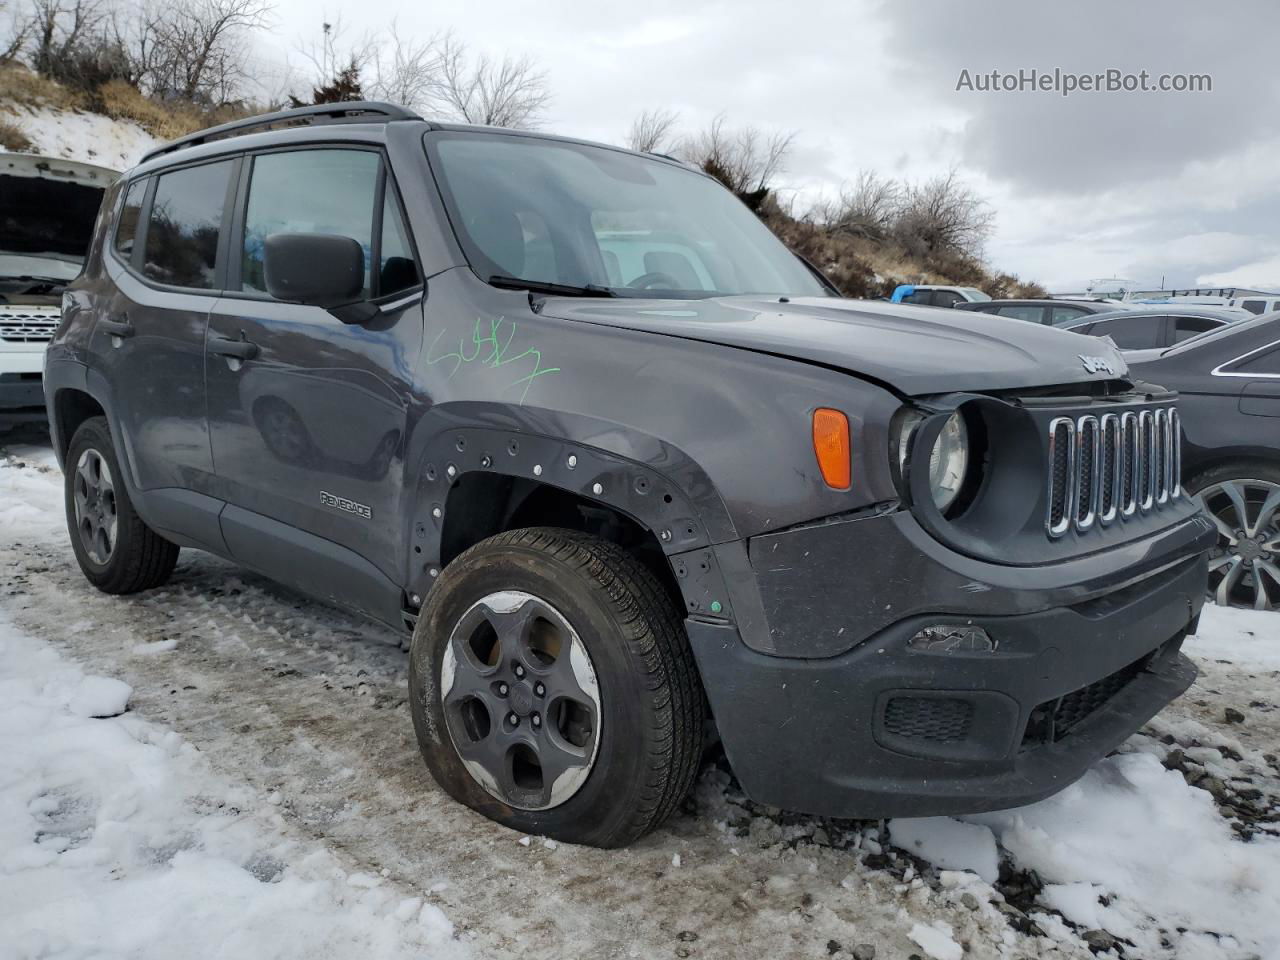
{"x":551,"y":289}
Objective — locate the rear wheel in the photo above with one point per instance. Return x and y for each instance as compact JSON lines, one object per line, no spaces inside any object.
{"x":553,"y":689}
{"x":1244,"y":502}
{"x":117,"y":552}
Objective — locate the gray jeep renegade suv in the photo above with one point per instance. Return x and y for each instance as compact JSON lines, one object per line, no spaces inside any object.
{"x":628,"y":470}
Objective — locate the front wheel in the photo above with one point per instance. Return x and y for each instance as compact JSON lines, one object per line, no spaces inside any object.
{"x":553,"y":689}
{"x":1244,"y":502}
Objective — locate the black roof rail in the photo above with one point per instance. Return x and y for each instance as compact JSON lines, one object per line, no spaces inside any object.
{"x":357,"y":111}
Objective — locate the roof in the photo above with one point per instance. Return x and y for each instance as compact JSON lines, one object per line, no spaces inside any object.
{"x":299,"y":124}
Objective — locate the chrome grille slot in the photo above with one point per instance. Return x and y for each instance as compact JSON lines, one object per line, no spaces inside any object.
{"x":28,"y":324}
{"x":1110,"y":467}
{"x":1062,"y":465}
{"x":1108,"y":470}
{"x":1088,"y":458}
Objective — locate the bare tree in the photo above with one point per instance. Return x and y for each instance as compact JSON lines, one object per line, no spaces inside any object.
{"x":408,"y":73}
{"x":16,"y":35}
{"x":943,"y":214}
{"x":653,"y":131}
{"x":200,"y":53}
{"x":510,"y":92}
{"x":747,"y":161}
{"x":868,"y":208}
{"x":57,"y":29}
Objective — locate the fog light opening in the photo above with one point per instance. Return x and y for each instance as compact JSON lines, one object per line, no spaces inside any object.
{"x":952,"y":638}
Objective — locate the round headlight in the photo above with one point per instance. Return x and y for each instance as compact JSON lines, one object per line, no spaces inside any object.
{"x":949,"y":462}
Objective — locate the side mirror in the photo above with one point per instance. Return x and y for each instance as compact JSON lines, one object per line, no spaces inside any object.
{"x":320,"y":270}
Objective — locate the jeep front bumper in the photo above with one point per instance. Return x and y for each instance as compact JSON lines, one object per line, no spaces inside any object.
{"x":881,"y":729}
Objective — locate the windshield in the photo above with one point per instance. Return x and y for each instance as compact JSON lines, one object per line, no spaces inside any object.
{"x":45,"y":226}
{"x":550,"y":212}
{"x":974,"y":294}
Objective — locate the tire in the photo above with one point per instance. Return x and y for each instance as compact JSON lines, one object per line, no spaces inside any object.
{"x":132,"y":556}
{"x":1244,"y":567}
{"x":645,"y":739}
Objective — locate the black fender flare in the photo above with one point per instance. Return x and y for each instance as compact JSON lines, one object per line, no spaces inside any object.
{"x":678,"y":503}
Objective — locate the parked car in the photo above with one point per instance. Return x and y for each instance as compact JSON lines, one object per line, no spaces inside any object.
{"x":1144,"y":332}
{"x":47,"y":210}
{"x":1257,"y":304}
{"x":930,"y":295}
{"x":619,"y":501}
{"x":1229,"y":386}
{"x":1054,"y":313}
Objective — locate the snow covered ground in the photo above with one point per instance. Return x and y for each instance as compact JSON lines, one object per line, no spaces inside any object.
{"x":81,"y":136}
{"x":261,"y":796}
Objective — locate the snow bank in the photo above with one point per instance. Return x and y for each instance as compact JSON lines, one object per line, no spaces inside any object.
{"x":85,"y":137}
{"x":1239,"y":636}
{"x":1138,"y":835}
{"x":116,"y":840}
{"x":949,"y":844}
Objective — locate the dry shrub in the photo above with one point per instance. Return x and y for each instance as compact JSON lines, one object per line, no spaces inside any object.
{"x":165,"y":121}
{"x":13,"y":139}
{"x":20,"y":86}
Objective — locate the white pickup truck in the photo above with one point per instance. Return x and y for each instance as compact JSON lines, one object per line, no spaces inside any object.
{"x":47,"y":211}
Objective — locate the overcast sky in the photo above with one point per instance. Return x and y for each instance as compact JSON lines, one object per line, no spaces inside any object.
{"x":1182,"y":186}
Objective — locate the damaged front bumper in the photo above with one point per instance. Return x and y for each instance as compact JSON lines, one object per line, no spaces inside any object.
{"x":824,"y":707}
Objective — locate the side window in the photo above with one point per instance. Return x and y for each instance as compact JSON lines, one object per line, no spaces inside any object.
{"x":1187,"y":327}
{"x":130,"y":213}
{"x":1032,"y":314}
{"x":1131,"y":333}
{"x":919,"y":296}
{"x":946,"y":298}
{"x":1063,"y":315}
{"x":182,"y":231}
{"x":1265,"y":364}
{"x":309,"y":191}
{"x":1255,"y":306}
{"x":397,"y":270}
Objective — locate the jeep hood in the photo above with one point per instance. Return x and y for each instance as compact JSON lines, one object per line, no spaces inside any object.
{"x":915,"y":350}
{"x":47,"y":214}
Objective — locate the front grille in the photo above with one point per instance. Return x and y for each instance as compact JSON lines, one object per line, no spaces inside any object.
{"x":1113,"y":466}
{"x":28,"y":324}
{"x":936,"y":719}
{"x":1055,"y":719}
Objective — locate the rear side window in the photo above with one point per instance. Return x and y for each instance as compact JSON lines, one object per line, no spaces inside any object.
{"x":309,"y":191}
{"x":1187,"y":327}
{"x":1131,"y":333}
{"x":1032,"y":314}
{"x":1255,"y":306}
{"x":1266,"y":364}
{"x":130,"y":214}
{"x":182,"y":229}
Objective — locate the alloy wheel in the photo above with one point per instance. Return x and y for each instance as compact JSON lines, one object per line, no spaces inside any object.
{"x":1244,"y":568}
{"x":521,"y":700}
{"x":94,"y":494}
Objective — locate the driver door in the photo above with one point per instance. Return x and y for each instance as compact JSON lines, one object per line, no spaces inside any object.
{"x":307,"y":414}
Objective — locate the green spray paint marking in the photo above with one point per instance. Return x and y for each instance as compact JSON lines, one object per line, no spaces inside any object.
{"x":497,"y":338}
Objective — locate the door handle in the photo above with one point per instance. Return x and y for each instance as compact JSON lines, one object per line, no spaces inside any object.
{"x":117,"y":328}
{"x":236,"y":349}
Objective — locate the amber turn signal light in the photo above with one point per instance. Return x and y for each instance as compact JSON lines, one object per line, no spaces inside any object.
{"x":831,"y":446}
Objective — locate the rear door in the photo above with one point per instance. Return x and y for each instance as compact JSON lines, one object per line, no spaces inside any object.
{"x":149,"y":339}
{"x":307,"y":414}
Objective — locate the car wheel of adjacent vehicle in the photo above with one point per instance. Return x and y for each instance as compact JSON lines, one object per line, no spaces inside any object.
{"x":553,"y":689}
{"x":1244,"y":502}
{"x":116,"y":550}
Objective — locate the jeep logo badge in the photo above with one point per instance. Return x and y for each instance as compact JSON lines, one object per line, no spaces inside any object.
{"x":1097,"y":365}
